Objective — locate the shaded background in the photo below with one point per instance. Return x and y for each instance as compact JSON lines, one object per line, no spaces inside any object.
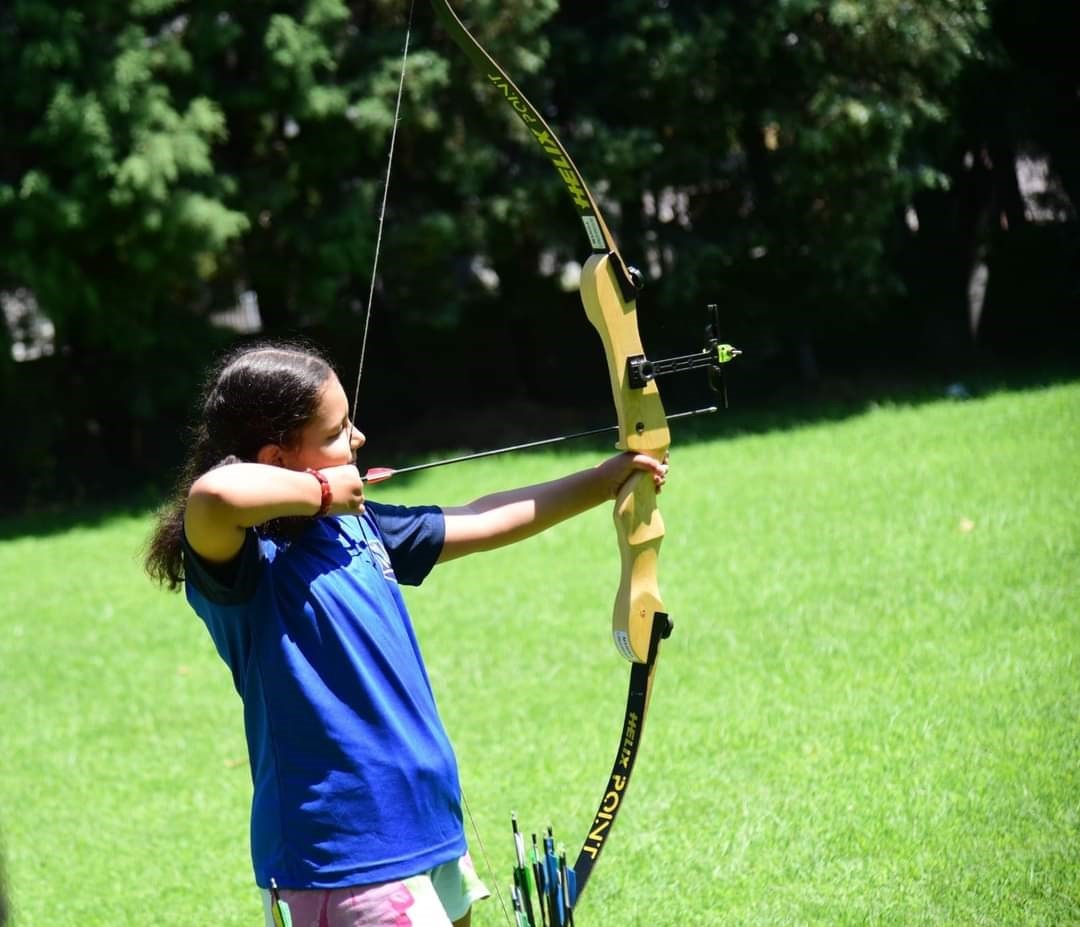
{"x":870,"y":191}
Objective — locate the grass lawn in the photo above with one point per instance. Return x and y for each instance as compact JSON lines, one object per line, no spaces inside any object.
{"x":867,"y":714}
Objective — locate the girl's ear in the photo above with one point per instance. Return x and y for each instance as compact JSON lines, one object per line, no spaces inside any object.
{"x":272,"y":455}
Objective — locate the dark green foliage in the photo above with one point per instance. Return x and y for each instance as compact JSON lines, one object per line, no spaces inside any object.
{"x":160,"y":158}
{"x":114,"y":216}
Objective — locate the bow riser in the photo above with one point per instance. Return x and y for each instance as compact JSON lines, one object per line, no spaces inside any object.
{"x":643,"y":429}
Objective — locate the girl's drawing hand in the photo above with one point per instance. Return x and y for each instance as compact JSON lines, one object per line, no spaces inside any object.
{"x":347,"y":490}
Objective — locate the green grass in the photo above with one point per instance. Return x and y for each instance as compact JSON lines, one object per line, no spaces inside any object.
{"x":867,"y":713}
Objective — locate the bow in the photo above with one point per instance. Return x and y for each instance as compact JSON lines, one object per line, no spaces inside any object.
{"x":608,"y":290}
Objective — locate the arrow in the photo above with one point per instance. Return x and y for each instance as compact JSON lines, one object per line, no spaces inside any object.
{"x":522,"y":875}
{"x":538,"y":880}
{"x":381,"y":474}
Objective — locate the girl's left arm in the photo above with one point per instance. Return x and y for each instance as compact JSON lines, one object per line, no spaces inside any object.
{"x":505,"y":517}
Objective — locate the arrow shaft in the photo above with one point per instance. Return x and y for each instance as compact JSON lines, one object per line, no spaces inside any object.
{"x":379,"y":474}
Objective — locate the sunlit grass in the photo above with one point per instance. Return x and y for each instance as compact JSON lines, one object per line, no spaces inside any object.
{"x":866,"y":714}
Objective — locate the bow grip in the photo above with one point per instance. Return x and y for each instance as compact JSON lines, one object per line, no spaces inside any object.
{"x":640,"y":529}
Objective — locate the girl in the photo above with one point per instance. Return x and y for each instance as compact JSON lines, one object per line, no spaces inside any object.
{"x":356,"y":816}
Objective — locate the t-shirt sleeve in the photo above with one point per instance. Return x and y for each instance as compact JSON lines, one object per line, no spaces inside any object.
{"x":413,"y":537}
{"x":224,"y":583}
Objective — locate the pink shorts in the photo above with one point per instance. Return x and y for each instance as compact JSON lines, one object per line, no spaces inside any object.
{"x":431,"y":899}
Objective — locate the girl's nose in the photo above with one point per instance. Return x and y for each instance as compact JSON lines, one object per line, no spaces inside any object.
{"x":356,"y":438}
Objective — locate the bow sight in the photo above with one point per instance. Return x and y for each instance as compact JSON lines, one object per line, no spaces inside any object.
{"x":640,"y":370}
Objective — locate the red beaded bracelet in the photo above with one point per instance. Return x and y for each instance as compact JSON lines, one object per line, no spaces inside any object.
{"x":327,"y":493}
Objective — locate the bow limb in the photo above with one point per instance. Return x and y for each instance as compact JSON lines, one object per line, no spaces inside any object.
{"x":600,"y":238}
{"x":638,"y":695}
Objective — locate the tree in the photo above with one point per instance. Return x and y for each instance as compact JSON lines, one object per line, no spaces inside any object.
{"x":113,"y":213}
{"x":163,"y":157}
{"x":778,"y":143}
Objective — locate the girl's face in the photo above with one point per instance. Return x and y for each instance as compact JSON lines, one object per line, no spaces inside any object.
{"x":329,"y":439}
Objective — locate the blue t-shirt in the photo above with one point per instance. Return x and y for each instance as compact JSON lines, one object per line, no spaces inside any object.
{"x":355,"y":781}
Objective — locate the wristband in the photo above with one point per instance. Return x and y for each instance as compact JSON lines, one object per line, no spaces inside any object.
{"x":327,"y":493}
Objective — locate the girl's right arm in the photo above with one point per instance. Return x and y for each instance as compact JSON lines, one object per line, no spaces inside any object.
{"x":224,"y":502}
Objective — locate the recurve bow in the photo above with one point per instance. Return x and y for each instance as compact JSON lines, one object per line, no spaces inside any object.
{"x":608,"y":290}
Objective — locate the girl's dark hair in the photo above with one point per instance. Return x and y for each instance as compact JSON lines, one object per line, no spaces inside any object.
{"x":255,"y":395}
